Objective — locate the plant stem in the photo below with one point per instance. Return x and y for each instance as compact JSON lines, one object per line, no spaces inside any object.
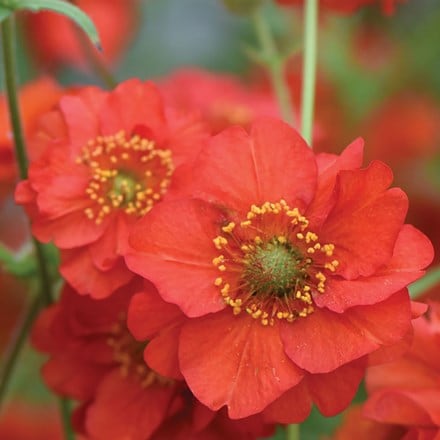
{"x":421,"y":286}
{"x":9,"y":66}
{"x":309,"y":68}
{"x":292,"y":432}
{"x":64,"y":405}
{"x":14,"y":348}
{"x":275,"y":65}
{"x":11,"y":91}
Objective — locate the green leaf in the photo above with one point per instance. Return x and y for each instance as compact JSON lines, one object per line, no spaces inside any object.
{"x":4,"y":13}
{"x":20,"y":266}
{"x":64,"y":8}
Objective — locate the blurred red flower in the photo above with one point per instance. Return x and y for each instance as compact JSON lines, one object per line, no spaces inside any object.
{"x":109,"y":158}
{"x":54,"y":39}
{"x":404,"y":395}
{"x":94,"y":359}
{"x":35,"y":98}
{"x":288,"y":268}
{"x":221,"y":99}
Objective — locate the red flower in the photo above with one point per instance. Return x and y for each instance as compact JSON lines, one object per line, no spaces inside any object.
{"x":289,"y":269}
{"x":348,"y":6}
{"x":54,"y":39}
{"x":109,"y":159}
{"x":35,"y":98}
{"x":94,"y":359}
{"x":220,"y":98}
{"x":407,"y":392}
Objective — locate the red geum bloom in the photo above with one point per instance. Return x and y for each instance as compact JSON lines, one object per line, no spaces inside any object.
{"x":54,"y":40}
{"x":348,"y":6}
{"x":109,"y":159}
{"x":407,"y":392}
{"x":290,"y":269}
{"x":94,"y":359}
{"x":35,"y":98}
{"x":221,"y":99}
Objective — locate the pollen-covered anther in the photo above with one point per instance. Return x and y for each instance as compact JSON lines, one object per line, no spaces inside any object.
{"x":220,"y":242}
{"x":130,"y":174}
{"x":229,"y":227}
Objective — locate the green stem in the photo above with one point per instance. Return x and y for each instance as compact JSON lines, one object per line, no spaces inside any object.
{"x":275,"y":65}
{"x":309,"y":68}
{"x":9,"y":66}
{"x":292,"y":432}
{"x":14,"y":348}
{"x":64,"y":405}
{"x":11,"y":88}
{"x":421,"y":286}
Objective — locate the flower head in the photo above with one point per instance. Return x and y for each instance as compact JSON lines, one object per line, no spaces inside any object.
{"x":286,"y":267}
{"x":115,"y":21}
{"x":95,"y":360}
{"x":109,"y":158}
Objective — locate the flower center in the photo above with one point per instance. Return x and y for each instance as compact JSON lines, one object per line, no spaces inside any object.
{"x":272,"y":269}
{"x":128,"y":174}
{"x":128,"y":354}
{"x":271,"y":265}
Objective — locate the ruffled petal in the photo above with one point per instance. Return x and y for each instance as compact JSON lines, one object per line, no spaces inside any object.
{"x":272,"y":162}
{"x":329,"y":166}
{"x":293,"y":406}
{"x":78,"y":269}
{"x":173,"y":247}
{"x":365,"y":221}
{"x":148,"y":313}
{"x":235,"y":361}
{"x":123,"y":409}
{"x":333,"y":392}
{"x":413,"y":251}
{"x":324,"y":340}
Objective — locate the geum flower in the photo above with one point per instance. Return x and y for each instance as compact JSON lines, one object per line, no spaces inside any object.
{"x":289,"y":269}
{"x":95,"y":360}
{"x":115,"y":20}
{"x":109,"y":158}
{"x":221,"y":99}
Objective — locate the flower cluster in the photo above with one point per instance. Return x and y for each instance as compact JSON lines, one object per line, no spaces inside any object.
{"x":231,"y":281}
{"x":197,"y":271}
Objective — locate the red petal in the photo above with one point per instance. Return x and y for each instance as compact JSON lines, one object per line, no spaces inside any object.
{"x":123,"y":409}
{"x":235,"y":361}
{"x":398,"y":407}
{"x":328,"y":168}
{"x":131,"y":104}
{"x":413,"y":251}
{"x":324,"y":340}
{"x":81,"y":120}
{"x":333,"y":392}
{"x":161,"y":353}
{"x":148,"y":313}
{"x":366,"y":220}
{"x":78,"y":269}
{"x":271,"y":163}
{"x":173,"y":248}
{"x":292,"y":407}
